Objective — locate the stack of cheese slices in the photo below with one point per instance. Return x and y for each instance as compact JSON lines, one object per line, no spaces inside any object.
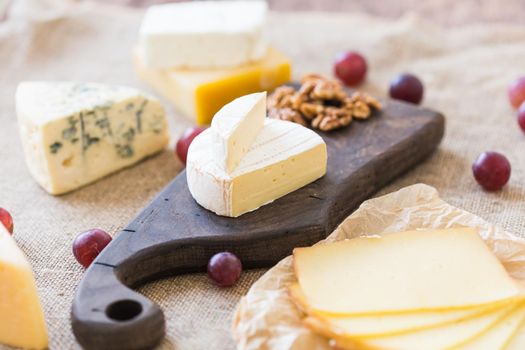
{"x":203,"y":54}
{"x":245,"y":160}
{"x":416,"y":290}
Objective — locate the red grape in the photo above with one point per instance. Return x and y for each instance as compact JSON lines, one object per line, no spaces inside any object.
{"x":516,"y":92}
{"x":521,"y":116}
{"x":491,"y":170}
{"x":350,"y":67}
{"x":224,"y":269}
{"x":185,"y":141}
{"x":88,"y":245}
{"x":7,"y":220}
{"x":406,"y":87}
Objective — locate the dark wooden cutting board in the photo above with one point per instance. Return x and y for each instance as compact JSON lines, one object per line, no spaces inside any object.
{"x":174,"y":235}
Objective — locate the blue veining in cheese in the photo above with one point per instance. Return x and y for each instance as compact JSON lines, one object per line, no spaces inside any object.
{"x":76,"y":133}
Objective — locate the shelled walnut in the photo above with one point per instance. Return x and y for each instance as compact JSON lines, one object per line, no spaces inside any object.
{"x":321,"y":103}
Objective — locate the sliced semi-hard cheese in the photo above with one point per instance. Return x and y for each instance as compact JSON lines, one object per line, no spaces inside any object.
{"x":283,"y":158}
{"x":22,"y":321}
{"x":517,"y":341}
{"x":402,"y":272}
{"x":235,"y":127}
{"x":499,"y":336}
{"x":76,"y":133}
{"x":367,"y":326}
{"x":452,"y":336}
{"x":200,"y":93}
{"x":204,"y":34}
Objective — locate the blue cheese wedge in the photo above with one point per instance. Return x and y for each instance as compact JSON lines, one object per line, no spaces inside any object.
{"x":76,"y":133}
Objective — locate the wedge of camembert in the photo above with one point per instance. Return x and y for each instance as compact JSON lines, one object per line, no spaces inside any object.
{"x":283,"y":158}
{"x":235,"y":126}
{"x":76,"y":133}
{"x":22,"y":321}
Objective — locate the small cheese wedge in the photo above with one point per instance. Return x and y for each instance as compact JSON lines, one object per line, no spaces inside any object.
{"x":204,"y":34}
{"x":235,"y":127}
{"x":370,"y":326}
{"x":200,"y":93}
{"x":22,"y":321}
{"x":402,"y":272}
{"x":499,"y":336}
{"x":284,"y":157}
{"x":76,"y":133}
{"x":452,"y":336}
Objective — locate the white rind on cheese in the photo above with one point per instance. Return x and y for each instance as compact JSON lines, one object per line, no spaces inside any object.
{"x":22,"y":321}
{"x":203,"y":34}
{"x":235,"y":127}
{"x":284,"y":157}
{"x":76,"y":133}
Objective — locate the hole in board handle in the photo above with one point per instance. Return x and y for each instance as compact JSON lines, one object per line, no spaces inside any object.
{"x":123,"y":310}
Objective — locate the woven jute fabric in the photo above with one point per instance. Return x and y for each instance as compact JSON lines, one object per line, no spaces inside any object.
{"x":465,"y":70}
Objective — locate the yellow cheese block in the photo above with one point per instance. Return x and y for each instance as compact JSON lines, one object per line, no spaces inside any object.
{"x":403,"y":272}
{"x":499,"y":336}
{"x":201,"y":93}
{"x":452,"y":336}
{"x":21,"y":318}
{"x":370,"y":326}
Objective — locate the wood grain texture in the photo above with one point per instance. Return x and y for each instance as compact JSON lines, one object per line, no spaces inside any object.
{"x":174,"y":235}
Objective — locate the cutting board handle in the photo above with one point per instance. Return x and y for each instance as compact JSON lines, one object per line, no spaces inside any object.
{"x":116,"y":317}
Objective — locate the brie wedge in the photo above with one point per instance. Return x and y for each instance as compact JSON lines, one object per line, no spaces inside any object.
{"x":283,"y":158}
{"x":76,"y":133}
{"x":235,"y":127}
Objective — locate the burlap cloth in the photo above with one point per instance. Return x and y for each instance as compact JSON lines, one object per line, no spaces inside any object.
{"x":465,"y":70}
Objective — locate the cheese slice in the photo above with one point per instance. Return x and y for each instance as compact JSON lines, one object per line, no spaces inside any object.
{"x":200,"y":93}
{"x":22,"y":321}
{"x":402,"y":272}
{"x":235,"y":127}
{"x":499,"y":335}
{"x":76,"y":133}
{"x":370,"y":326}
{"x":283,"y":158}
{"x":517,"y":340}
{"x":452,"y":336}
{"x":204,"y":34}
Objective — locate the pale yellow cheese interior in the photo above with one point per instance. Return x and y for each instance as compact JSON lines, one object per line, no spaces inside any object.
{"x":453,"y":336}
{"x":517,"y":341}
{"x":22,"y":321}
{"x":369,"y":326}
{"x":402,"y":272}
{"x":499,"y":336}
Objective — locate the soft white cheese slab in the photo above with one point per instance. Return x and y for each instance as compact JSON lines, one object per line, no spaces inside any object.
{"x":76,"y":133}
{"x":283,"y":158}
{"x":235,"y":126}
{"x":203,"y":34}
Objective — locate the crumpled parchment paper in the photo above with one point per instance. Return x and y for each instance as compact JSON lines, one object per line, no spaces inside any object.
{"x":266,"y":319}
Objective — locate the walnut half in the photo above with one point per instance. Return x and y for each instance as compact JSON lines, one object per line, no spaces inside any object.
{"x":321,"y":103}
